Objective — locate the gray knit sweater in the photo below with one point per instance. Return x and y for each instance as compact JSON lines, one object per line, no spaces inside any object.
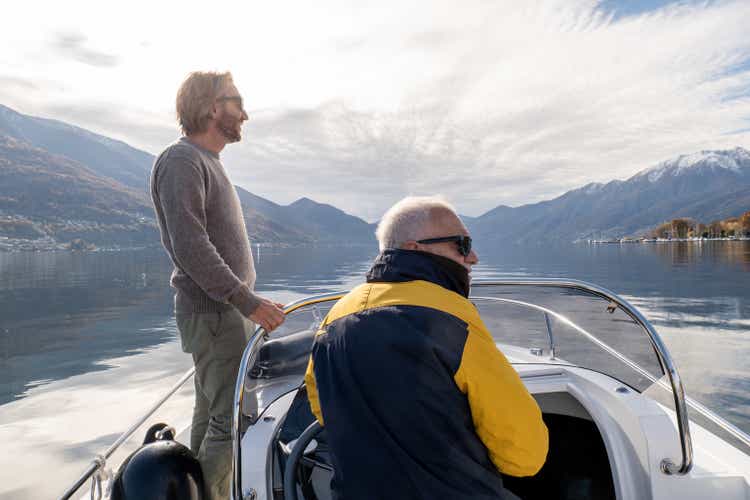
{"x":203,"y":230}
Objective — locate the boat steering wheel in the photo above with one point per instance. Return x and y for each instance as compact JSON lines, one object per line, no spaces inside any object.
{"x":292,"y":462}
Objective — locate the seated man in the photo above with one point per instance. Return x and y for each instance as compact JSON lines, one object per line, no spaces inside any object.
{"x":416,"y":399}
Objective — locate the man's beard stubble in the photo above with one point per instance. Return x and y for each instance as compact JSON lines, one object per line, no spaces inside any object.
{"x":229,"y":127}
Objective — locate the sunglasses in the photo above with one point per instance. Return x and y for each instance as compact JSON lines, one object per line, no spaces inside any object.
{"x":463,"y":243}
{"x":235,"y":98}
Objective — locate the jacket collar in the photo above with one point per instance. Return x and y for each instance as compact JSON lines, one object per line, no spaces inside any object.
{"x":395,"y":266}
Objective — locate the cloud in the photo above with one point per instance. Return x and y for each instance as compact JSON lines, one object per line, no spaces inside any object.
{"x":365,"y":161}
{"x":349,"y":43}
{"x":73,"y":46}
{"x":488,"y":103}
{"x":523,"y":106}
{"x":431,"y":40}
{"x":17,"y":83}
{"x":116,"y":123}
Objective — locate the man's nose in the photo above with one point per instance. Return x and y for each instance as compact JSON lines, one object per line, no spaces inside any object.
{"x":472,"y":258}
{"x":244,"y":115}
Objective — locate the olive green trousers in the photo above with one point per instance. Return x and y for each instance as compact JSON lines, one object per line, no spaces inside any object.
{"x":216,"y":340}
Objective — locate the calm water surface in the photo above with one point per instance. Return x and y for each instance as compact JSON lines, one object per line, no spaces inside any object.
{"x":87,"y":341}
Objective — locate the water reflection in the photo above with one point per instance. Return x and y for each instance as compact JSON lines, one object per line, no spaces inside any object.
{"x":59,"y":426}
{"x":65,"y":314}
{"x":307,"y":271}
{"x":686,"y":253}
{"x":716,"y":276}
{"x":88,"y":340}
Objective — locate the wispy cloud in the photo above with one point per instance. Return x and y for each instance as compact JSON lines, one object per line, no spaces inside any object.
{"x":525,"y":105}
{"x":359,"y":103}
{"x":116,"y":123}
{"x":17,"y":83}
{"x":73,"y":45}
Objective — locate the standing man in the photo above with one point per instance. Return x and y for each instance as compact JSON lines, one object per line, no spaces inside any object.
{"x":203,"y":230}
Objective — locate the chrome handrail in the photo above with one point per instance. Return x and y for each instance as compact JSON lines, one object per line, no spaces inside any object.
{"x":604,"y":346}
{"x":239,"y":387}
{"x":665,"y":360}
{"x":100,"y":461}
{"x":662,"y":354}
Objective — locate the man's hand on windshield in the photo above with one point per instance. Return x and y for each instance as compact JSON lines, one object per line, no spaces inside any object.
{"x":268,"y":314}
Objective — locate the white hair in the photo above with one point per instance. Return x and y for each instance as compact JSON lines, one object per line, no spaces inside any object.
{"x":407,"y":220}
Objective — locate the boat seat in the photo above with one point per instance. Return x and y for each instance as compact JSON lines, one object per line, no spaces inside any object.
{"x":284,"y":355}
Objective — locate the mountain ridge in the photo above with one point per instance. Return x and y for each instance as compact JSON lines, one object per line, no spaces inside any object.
{"x":106,"y":156}
{"x":102,"y":161}
{"x":708,"y":185}
{"x":735,"y":159}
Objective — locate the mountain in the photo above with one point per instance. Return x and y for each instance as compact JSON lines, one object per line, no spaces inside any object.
{"x":318,"y":221}
{"x":267,"y":222}
{"x":708,"y":185}
{"x":61,"y":182}
{"x":326,"y":220}
{"x":42,"y":194}
{"x":102,"y":155}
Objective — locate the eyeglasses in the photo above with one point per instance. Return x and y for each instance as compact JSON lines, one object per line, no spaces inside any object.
{"x":463,"y":242}
{"x":236,"y":98}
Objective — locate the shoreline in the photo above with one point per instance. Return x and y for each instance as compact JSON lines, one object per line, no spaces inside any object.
{"x":661,"y":240}
{"x":9,"y":245}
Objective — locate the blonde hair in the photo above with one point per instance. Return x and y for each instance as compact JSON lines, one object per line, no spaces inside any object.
{"x":407,"y":220}
{"x":196,"y":98}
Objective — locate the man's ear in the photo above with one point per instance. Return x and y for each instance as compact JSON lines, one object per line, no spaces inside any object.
{"x":410,"y":245}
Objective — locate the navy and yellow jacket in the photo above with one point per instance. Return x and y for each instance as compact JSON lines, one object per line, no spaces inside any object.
{"x":417,"y":400}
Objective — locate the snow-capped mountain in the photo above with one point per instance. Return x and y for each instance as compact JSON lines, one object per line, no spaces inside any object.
{"x":706,"y":186}
{"x":735,"y":160}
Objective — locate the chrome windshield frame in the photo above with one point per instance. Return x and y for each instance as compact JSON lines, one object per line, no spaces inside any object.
{"x":248,"y":357}
{"x":662,"y":353}
{"x":668,"y":366}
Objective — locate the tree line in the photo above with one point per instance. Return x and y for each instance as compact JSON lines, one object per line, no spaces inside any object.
{"x":690,"y":228}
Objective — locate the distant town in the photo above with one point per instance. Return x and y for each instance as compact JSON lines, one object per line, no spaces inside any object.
{"x":49,"y":244}
{"x":686,"y":229}
{"x":20,"y":233}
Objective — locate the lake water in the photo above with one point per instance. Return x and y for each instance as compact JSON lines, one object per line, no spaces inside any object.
{"x":88,"y":341}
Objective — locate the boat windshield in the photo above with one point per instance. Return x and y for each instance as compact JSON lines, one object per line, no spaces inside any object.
{"x":582,"y":325}
{"x":557,"y":322}
{"x":531,"y":323}
{"x":570,"y":326}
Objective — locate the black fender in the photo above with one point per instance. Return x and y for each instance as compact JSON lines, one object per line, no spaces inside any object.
{"x":161,"y":469}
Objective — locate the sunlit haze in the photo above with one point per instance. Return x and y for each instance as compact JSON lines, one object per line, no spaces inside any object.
{"x":358,"y":104}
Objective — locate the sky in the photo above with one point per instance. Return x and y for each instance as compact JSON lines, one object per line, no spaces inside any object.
{"x":358,"y":104}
